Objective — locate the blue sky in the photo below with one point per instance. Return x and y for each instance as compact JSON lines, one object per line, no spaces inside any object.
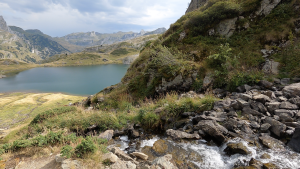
{"x":61,"y":17}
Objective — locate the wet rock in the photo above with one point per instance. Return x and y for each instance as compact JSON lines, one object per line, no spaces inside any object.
{"x":165,"y":162}
{"x":181,"y":135}
{"x":295,"y":141}
{"x":133,"y":133}
{"x":160,"y":147}
{"x":270,"y":166}
{"x":118,"y":133}
{"x":140,"y":155}
{"x":108,"y":134}
{"x":288,"y":105}
{"x":292,"y":90}
{"x":236,"y":148}
{"x":262,"y":98}
{"x":255,"y":163}
{"x":271,"y":142}
{"x":213,"y":129}
{"x":110,"y":157}
{"x":265,"y":156}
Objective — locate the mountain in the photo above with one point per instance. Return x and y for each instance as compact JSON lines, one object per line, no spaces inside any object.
{"x":40,"y":43}
{"x":14,"y":47}
{"x":89,"y":39}
{"x":219,"y":44}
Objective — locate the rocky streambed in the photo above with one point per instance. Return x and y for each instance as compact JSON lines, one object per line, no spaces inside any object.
{"x":256,"y":127}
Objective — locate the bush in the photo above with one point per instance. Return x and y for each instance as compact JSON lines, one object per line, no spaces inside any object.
{"x":67,"y":151}
{"x":85,"y":147}
{"x":49,"y":113}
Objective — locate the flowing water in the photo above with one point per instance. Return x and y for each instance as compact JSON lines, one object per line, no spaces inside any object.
{"x":214,"y":156}
{"x":81,"y":80}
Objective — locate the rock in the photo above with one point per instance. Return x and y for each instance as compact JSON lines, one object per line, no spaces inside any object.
{"x":270,"y":94}
{"x":232,"y":114}
{"x":231,"y":124}
{"x":187,"y":114}
{"x":282,"y":99}
{"x":121,"y":154}
{"x":226,"y":27}
{"x":213,"y":129}
{"x":243,"y":88}
{"x":265,"y":156}
{"x":123,"y":165}
{"x":207,"y":81}
{"x":71,"y":164}
{"x":108,"y":134}
{"x":296,"y":80}
{"x":245,"y":97}
{"x":285,"y":118}
{"x":59,"y":158}
{"x":262,"y":98}
{"x":255,"y":125}
{"x":295,"y":101}
{"x":285,"y":81}
{"x":295,"y":141}
{"x":273,"y":106}
{"x":248,"y":110}
{"x":271,"y":142}
{"x":266,"y":7}
{"x":292,"y":90}
{"x":164,"y":162}
{"x":265,"y":84}
{"x":271,"y":67}
{"x":140,"y":155}
{"x":270,"y":166}
{"x":242,"y":103}
{"x":276,"y":127}
{"x":181,"y":135}
{"x":118,"y":133}
{"x":283,"y":111}
{"x":182,"y":36}
{"x":236,"y":148}
{"x":133,"y":133}
{"x":110,"y":157}
{"x":258,"y":106}
{"x":288,"y":105}
{"x":293,"y":124}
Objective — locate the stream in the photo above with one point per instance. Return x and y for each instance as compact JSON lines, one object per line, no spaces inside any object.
{"x":213,"y":156}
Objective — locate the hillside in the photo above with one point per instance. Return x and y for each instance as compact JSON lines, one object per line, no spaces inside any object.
{"x":221,"y":44}
{"x":118,"y":53}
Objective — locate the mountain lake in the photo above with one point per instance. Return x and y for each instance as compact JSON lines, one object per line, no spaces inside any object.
{"x":81,"y":80}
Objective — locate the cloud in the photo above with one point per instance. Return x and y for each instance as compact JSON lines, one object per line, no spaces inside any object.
{"x":60,"y":17}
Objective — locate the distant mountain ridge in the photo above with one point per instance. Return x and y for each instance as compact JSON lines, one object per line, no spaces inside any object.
{"x":89,"y":39}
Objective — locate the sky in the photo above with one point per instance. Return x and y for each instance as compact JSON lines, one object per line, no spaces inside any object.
{"x":61,"y":17}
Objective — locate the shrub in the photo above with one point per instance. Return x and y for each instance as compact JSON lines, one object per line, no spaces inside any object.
{"x":67,"y":151}
{"x":19,"y":144}
{"x":85,"y":147}
{"x":49,"y":113}
{"x":2,"y":151}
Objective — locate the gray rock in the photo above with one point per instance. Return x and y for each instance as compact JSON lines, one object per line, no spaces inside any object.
{"x":278,"y":93}
{"x":276,"y":127}
{"x":295,"y":141}
{"x":226,"y":27}
{"x":71,"y":164}
{"x":243,"y":103}
{"x":283,"y":111}
{"x":245,"y":97}
{"x":285,"y":118}
{"x":207,"y":81}
{"x":266,"y":7}
{"x":289,"y":106}
{"x":282,"y":99}
{"x":258,"y":106}
{"x":255,"y":125}
{"x":236,"y":148}
{"x":262,"y":98}
{"x":248,"y":110}
{"x":111,"y":157}
{"x":266,"y":84}
{"x":140,"y":155}
{"x":292,"y":90}
{"x":295,"y":100}
{"x":293,"y":124}
{"x":271,"y":142}
{"x":296,"y":80}
{"x":270,"y":94}
{"x":108,"y":134}
{"x":232,"y":114}
{"x":181,"y":135}
{"x":270,"y":67}
{"x":273,"y":106}
{"x":212,"y":129}
{"x":59,"y":158}
{"x":265,"y":127}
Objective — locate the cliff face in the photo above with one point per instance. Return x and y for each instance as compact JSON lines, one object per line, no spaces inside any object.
{"x":195,"y":4}
{"x":3,"y":25}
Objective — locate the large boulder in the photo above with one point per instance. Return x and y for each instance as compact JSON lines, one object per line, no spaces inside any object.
{"x":262,"y":98}
{"x":140,"y":155}
{"x":108,"y":134}
{"x":110,"y":157}
{"x":295,"y":142}
{"x":292,"y":90}
{"x":165,"y":162}
{"x":213,"y":129}
{"x":236,"y":148}
{"x":267,"y":6}
{"x":276,"y":127}
{"x":271,"y":142}
{"x":181,"y":135}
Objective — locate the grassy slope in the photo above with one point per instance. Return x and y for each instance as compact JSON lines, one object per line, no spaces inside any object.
{"x":14,"y":67}
{"x":168,"y":57}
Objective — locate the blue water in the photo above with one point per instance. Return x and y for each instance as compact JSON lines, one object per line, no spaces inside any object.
{"x":83,"y":80}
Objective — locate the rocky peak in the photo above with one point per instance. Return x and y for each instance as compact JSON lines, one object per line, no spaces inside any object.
{"x":3,"y":25}
{"x":195,"y":4}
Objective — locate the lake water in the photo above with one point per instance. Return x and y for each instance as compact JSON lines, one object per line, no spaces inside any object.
{"x":83,"y":80}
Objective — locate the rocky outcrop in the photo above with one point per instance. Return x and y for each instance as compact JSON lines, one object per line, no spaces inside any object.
{"x":195,"y":4}
{"x":3,"y":25}
{"x":266,"y":7}
{"x":226,"y":27}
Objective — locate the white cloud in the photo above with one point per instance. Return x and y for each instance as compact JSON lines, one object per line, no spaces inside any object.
{"x":58,"y":18}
